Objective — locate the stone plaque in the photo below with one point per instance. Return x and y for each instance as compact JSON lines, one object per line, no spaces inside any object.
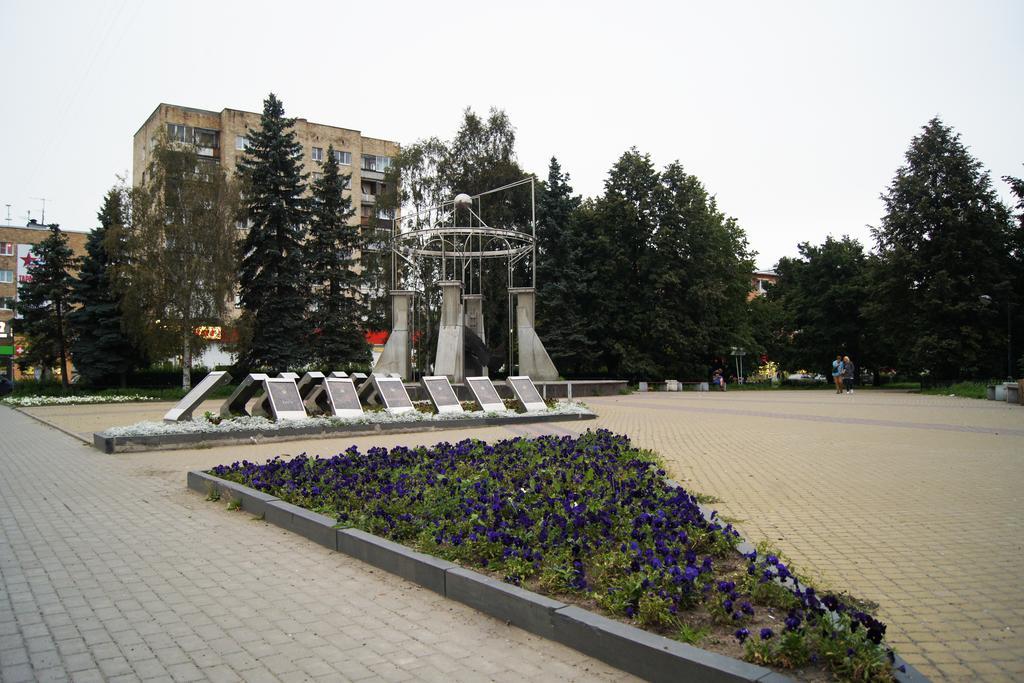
{"x":340,"y":374}
{"x":392,"y":392}
{"x":486,"y":395}
{"x":442,"y":394}
{"x":526,"y":393}
{"x":284,"y":398}
{"x":341,"y":392}
{"x":182,"y":412}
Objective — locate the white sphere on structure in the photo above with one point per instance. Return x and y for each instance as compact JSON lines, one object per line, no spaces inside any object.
{"x":463,"y":201}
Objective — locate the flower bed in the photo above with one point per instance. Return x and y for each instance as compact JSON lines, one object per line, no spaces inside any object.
{"x":33,"y":401}
{"x":590,"y":520}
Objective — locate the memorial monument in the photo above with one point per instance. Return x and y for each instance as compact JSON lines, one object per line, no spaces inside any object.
{"x":463,"y":246}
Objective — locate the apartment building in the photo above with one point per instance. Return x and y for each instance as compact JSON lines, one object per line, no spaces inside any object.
{"x":221,"y":137}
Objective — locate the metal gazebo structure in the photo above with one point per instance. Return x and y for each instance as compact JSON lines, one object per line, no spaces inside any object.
{"x":455,"y":235}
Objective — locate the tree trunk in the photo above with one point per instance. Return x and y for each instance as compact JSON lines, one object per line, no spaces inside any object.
{"x":63,"y":348}
{"x":186,"y":365}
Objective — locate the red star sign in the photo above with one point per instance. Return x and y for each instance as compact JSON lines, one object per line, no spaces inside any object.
{"x":29,"y":259}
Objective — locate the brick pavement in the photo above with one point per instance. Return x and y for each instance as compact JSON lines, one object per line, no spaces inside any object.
{"x":111,"y":570}
{"x":913,"y":502}
{"x":909,"y":501}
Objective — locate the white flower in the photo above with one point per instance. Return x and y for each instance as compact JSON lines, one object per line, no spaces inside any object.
{"x":262,"y":424}
{"x":33,"y":401}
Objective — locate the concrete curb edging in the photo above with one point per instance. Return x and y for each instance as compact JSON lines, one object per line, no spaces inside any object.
{"x":48,"y":423}
{"x":647,"y":655}
{"x":168,"y":442}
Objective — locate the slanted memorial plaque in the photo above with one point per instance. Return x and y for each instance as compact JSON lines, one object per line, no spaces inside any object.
{"x":261,"y":406}
{"x":341,"y":375}
{"x":284,"y":399}
{"x":247,"y":388}
{"x":442,"y":394}
{"x":392,"y":392}
{"x":486,"y":395}
{"x":182,"y":412}
{"x":342,"y":396}
{"x":526,"y":393}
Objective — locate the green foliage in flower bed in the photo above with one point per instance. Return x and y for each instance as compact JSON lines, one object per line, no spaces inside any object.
{"x":961,"y":389}
{"x":589,"y":519}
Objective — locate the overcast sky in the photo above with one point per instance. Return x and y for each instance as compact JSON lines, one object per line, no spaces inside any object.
{"x":795,"y":115}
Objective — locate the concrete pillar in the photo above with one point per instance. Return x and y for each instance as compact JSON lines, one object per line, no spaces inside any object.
{"x":397,"y":355}
{"x":533,"y":357}
{"x":450,"y":338}
{"x":474,"y":321}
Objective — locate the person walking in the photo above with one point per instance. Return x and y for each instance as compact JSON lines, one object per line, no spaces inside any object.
{"x":848,"y":374}
{"x":837,"y":373}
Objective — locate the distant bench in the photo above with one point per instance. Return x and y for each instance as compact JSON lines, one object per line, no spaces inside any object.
{"x":676,"y":385}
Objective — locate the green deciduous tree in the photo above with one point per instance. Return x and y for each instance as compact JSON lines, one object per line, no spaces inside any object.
{"x":942,"y":244}
{"x":100,"y":345}
{"x":820,"y":295}
{"x":479,"y":158}
{"x":174,"y":256}
{"x":336,"y":312}
{"x":274,"y":292}
{"x":44,"y":302}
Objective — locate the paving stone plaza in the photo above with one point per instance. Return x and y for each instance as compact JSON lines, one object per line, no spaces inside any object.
{"x":112,"y":570}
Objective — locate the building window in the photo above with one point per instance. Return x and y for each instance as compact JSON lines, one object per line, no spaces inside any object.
{"x":344,"y":158}
{"x":318,"y":154}
{"x":6,"y":248}
{"x":317,"y":176}
{"x":6,"y":276}
{"x":6,"y":303}
{"x":241,"y":142}
{"x":176,"y":132}
{"x":372,"y":162}
{"x":348,"y":183}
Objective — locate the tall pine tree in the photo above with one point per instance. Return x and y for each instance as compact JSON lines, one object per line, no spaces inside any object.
{"x":336,"y":312}
{"x":100,"y":346}
{"x":44,"y":303}
{"x":563,"y":274}
{"x":271,"y":282}
{"x":942,"y":244}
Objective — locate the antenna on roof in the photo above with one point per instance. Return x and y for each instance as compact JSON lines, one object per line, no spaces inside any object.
{"x":8,"y":213}
{"x":43,"y":200}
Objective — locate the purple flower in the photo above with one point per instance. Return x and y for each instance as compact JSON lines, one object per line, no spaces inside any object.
{"x":742,"y":635}
{"x":766,"y":633}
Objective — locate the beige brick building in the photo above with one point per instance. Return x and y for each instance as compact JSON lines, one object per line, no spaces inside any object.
{"x":221,"y":137}
{"x":11,"y":238}
{"x":15,"y":255}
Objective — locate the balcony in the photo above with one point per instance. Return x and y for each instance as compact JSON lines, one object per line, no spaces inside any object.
{"x":369,"y":198}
